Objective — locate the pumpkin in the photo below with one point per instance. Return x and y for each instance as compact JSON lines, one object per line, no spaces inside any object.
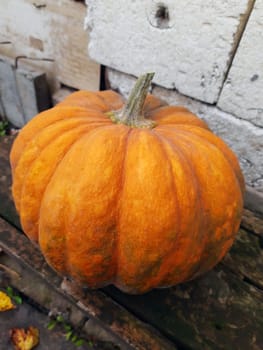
{"x":140,"y":195}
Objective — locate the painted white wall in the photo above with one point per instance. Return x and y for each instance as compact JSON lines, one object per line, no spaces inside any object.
{"x":189,"y":50}
{"x":242,"y":94}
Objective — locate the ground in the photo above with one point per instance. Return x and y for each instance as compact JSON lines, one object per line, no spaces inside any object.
{"x":28,"y":313}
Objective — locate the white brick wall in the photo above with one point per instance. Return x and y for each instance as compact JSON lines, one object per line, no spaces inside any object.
{"x":189,"y":50}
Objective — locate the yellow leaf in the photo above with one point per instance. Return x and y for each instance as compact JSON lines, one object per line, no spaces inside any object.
{"x":25,"y":339}
{"x":5,"y":302}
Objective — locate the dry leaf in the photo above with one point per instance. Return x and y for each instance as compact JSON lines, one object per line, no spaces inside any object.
{"x":25,"y":339}
{"x":5,"y":302}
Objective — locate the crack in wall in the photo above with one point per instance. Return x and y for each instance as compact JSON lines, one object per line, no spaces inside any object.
{"x":244,"y":19}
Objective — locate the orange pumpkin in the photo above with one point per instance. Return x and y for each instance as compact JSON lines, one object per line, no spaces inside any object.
{"x":141,"y":198}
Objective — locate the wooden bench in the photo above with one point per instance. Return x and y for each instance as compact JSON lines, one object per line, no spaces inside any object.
{"x":221,"y":310}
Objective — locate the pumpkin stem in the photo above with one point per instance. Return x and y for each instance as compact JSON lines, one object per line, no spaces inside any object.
{"x":132,"y":113}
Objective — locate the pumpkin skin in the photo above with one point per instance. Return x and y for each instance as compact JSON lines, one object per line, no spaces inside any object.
{"x":135,"y":207}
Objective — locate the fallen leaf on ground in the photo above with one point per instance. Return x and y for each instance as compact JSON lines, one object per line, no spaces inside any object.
{"x":5,"y":302}
{"x":25,"y":339}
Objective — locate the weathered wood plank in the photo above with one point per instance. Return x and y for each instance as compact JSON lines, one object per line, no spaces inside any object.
{"x":7,"y":208}
{"x":34,"y":92}
{"x":53,"y":303}
{"x":252,"y":222}
{"x":53,"y":30}
{"x":254,"y":199}
{"x":11,"y":103}
{"x":246,"y":258}
{"x":61,"y":94}
{"x":217,"y":311}
{"x":95,"y":303}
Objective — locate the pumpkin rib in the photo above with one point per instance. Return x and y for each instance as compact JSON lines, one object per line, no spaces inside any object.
{"x":114,"y":100}
{"x":42,"y":120}
{"x":122,"y":182}
{"x":165,"y":109}
{"x":169,"y":254}
{"x":84,"y":99}
{"x":183,"y":137}
{"x":32,"y":192}
{"x":228,"y":153}
{"x":195,"y":267}
{"x":56,"y":123}
{"x":194,"y":179}
{"x":215,"y":141}
{"x":175,"y":191}
{"x":176,"y":115}
{"x":155,"y":280}
{"x":77,"y":252}
{"x":115,"y":246}
{"x":116,"y":236}
{"x":134,"y":240}
{"x":21,"y":167}
{"x":151,"y":104}
{"x":186,"y":133}
{"x":106,"y":100}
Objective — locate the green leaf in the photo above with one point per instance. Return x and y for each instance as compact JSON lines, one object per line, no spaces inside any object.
{"x":79,"y":342}
{"x":15,"y":297}
{"x":18,"y":299}
{"x":51,"y":325}
{"x":74,"y":338}
{"x":60,"y":318}
{"x":3,"y":128}
{"x":68,"y":335}
{"x":90,"y":343}
{"x":9,"y":291}
{"x":67,"y":327}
